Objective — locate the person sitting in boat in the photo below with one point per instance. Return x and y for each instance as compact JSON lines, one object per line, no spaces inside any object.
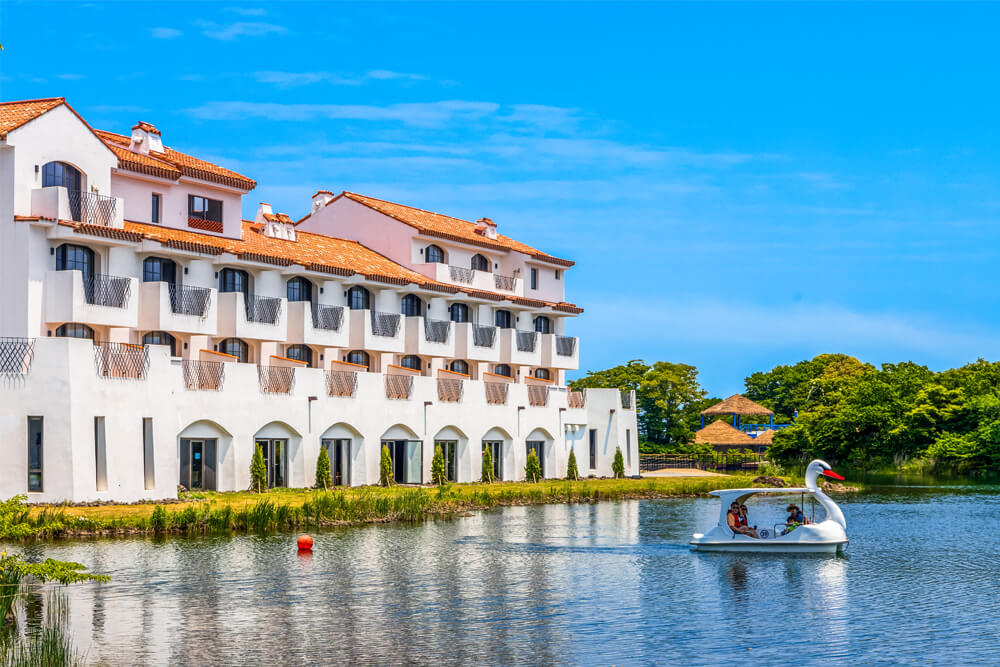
{"x":795,"y":519}
{"x":738,"y":521}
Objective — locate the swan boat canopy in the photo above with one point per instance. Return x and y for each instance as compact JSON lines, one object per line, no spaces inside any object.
{"x":826,"y":536}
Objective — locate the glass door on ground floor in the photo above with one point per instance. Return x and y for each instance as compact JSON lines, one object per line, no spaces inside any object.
{"x":407,"y":460}
{"x":495,"y":448}
{"x":275,"y":460}
{"x":198,"y":464}
{"x":339,"y":451}
{"x":450,"y":450}
{"x":539,"y":448}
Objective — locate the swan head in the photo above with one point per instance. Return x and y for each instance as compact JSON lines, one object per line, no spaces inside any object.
{"x":817,"y":468}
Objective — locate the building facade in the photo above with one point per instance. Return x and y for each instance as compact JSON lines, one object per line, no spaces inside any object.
{"x":154,"y":338}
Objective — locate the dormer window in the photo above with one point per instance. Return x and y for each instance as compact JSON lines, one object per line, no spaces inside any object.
{"x":434,"y":254}
{"x":480,"y":263}
{"x":204,"y":213}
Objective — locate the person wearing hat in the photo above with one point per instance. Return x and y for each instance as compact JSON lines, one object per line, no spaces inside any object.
{"x":795,"y":516}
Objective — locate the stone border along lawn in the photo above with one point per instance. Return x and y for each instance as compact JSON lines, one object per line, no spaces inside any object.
{"x":286,"y":509}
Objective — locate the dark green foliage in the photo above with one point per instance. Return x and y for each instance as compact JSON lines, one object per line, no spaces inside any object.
{"x":487,"y":474}
{"x":618,"y":465}
{"x":159,"y":521}
{"x":323,"y":479}
{"x":385,"y":468}
{"x":533,"y":469}
{"x":571,"y":469}
{"x":437,"y":466}
{"x":258,"y":471}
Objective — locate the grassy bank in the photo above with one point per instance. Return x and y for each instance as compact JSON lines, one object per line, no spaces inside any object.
{"x":283,"y":509}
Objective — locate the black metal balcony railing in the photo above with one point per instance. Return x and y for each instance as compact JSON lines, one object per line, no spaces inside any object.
{"x":450,"y":390}
{"x":385,"y":324}
{"x":483,"y":336}
{"x":575,"y":399}
{"x":328,"y":318}
{"x":262,"y":309}
{"x":110,"y":291}
{"x":91,"y":208}
{"x":121,"y":360}
{"x":526,"y":341}
{"x":398,"y":386}
{"x":206,"y":375}
{"x":504,"y":282}
{"x":496,"y":392}
{"x":16,"y":355}
{"x":565,"y":346}
{"x":460,"y":274}
{"x":436,"y":331}
{"x":627,"y":400}
{"x":186,"y":300}
{"x":341,"y":383}
{"x":538,"y":396}
{"x":276,"y":379}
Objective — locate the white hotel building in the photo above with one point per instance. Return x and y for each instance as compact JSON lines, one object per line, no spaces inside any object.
{"x":153,"y":337}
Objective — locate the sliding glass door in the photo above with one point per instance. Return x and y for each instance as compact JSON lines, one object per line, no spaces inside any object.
{"x":275,"y":460}
{"x":495,"y":448}
{"x":450,"y":450}
{"x":407,"y":460}
{"x":198,"y":464}
{"x":339,"y":451}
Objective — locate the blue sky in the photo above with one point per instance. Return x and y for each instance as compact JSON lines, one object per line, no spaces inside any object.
{"x":741,"y":185}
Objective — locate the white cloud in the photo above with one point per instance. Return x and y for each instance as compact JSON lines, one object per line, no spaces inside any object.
{"x":247,"y":11}
{"x":422,"y":114}
{"x":293,"y":79}
{"x":387,"y":75}
{"x":165,"y":33}
{"x":70,"y":77}
{"x":233,"y":31}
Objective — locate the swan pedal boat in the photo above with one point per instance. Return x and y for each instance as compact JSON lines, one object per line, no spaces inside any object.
{"x":826,"y":536}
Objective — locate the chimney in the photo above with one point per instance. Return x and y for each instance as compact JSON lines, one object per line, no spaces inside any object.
{"x":146,"y":138}
{"x":276,"y":225}
{"x":486,"y":227}
{"x":321,"y":199}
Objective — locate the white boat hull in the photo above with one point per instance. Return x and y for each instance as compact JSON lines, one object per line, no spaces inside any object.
{"x":765,"y":546}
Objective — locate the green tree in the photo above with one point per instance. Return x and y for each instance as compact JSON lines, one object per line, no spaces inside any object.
{"x":385,"y":467}
{"x":618,"y":465}
{"x":487,"y":475}
{"x":323,"y":479}
{"x":14,"y":570}
{"x":532,"y":469}
{"x":571,"y":469}
{"x":258,"y":471}
{"x":437,"y":466}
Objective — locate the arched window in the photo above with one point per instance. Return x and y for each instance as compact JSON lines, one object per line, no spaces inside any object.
{"x":159,"y":269}
{"x":61,"y":174}
{"x":543,"y":324}
{"x":73,"y":330}
{"x":70,"y":257}
{"x":542,"y":374}
{"x":503,"y":319}
{"x":412,"y":361}
{"x":300,"y":289}
{"x":359,"y":357}
{"x":300,"y":353}
{"x":459,"y":366}
{"x":235,"y":347}
{"x":160,"y":338}
{"x":234,"y":280}
{"x":412,"y":306}
{"x":502,"y":369}
{"x":434,"y":254}
{"x":358,"y":298}
{"x":459,"y":312}
{"x":480,"y":263}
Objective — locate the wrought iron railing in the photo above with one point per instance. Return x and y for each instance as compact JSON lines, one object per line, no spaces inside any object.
{"x":91,"y":208}
{"x":460,"y":274}
{"x":575,"y":399}
{"x":538,"y":396}
{"x":627,"y":399}
{"x":276,"y":379}
{"x":262,"y":309}
{"x":385,"y":324}
{"x":185,"y":300}
{"x":436,"y":331}
{"x":329,"y":318}
{"x":121,"y":360}
{"x":496,"y":392}
{"x":16,"y":355}
{"x":504,"y":282}
{"x":398,"y":386}
{"x":208,"y":375}
{"x":565,"y":346}
{"x":450,"y":390}
{"x":483,"y":336}
{"x":341,"y":383}
{"x":526,"y":341}
{"x":110,"y":291}
{"x":713,"y":461}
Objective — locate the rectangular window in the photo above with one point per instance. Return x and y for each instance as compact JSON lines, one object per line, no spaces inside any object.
{"x":203,"y":208}
{"x":155,"y":213}
{"x":34,"y":453}
{"x":593,"y":449}
{"x":628,"y":448}
{"x":147,"y":452}
{"x":558,"y":274}
{"x":534,"y":278}
{"x":100,"y":455}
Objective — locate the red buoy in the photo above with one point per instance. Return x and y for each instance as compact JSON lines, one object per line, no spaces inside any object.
{"x":305,"y":543}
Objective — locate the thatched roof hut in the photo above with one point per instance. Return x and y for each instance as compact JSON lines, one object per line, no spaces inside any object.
{"x":736,"y":405}
{"x":721,"y":433}
{"x":764,"y":437}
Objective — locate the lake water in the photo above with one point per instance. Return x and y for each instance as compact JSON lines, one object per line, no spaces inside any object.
{"x":612,"y":583}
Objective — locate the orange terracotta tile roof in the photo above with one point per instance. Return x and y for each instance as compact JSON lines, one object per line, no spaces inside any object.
{"x":171,"y":164}
{"x":15,"y":114}
{"x":447,"y":227}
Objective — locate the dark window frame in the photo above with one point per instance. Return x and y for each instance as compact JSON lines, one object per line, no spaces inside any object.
{"x":459,"y":308}
{"x":293,"y":352}
{"x":228,"y":282}
{"x":437,"y":251}
{"x":153,"y":270}
{"x":298,"y":287}
{"x":76,"y":257}
{"x":503,"y":315}
{"x":463,"y":362}
{"x":479,"y":262}
{"x":411,"y":305}
{"x":156,"y":206}
{"x":592,"y":442}
{"x":63,"y":332}
{"x":203,"y":208}
{"x":154,"y":338}
{"x":413,"y":362}
{"x":499,"y":369}
{"x":359,"y":298}
{"x":533,"y":276}
{"x":39,"y":453}
{"x":543,"y":324}
{"x":543,"y":374}
{"x":359,"y":358}
{"x":242,"y":348}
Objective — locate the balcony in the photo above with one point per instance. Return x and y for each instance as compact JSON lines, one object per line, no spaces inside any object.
{"x":496,"y":392}
{"x":376,"y":331}
{"x":538,"y":395}
{"x":560,"y":352}
{"x":121,"y":360}
{"x":99,"y":300}
{"x":179,"y":308}
{"x":276,"y":379}
{"x":450,"y":386}
{"x":476,"y":343}
{"x":203,"y":375}
{"x":398,"y":387}
{"x":429,"y":337}
{"x":59,"y":203}
{"x":576,"y":399}
{"x":520,"y":347}
{"x":252,"y":316}
{"x":466,"y":277}
{"x":15,"y":356}
{"x":341,"y":383}
{"x":317,"y":324}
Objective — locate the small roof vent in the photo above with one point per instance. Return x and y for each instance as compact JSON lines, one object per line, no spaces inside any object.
{"x":276,"y":225}
{"x":146,"y":138}
{"x":486,"y":227}
{"x":321,"y":199}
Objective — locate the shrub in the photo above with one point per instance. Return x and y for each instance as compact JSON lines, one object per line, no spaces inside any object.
{"x":437,"y":466}
{"x":258,"y":472}
{"x":159,"y":522}
{"x":487,"y":466}
{"x":618,"y":465}
{"x":14,"y":570}
{"x":385,"y":468}
{"x":323,"y":479}
{"x":533,"y":469}
{"x":571,"y":470}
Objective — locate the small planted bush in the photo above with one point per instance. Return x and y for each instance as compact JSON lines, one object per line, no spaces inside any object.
{"x":323,"y":479}
{"x":487,"y":466}
{"x":618,"y":465}
{"x":258,"y":471}
{"x":437,"y":466}
{"x":385,"y":468}
{"x":533,"y":468}
{"x":571,"y":470}
{"x":160,"y":520}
